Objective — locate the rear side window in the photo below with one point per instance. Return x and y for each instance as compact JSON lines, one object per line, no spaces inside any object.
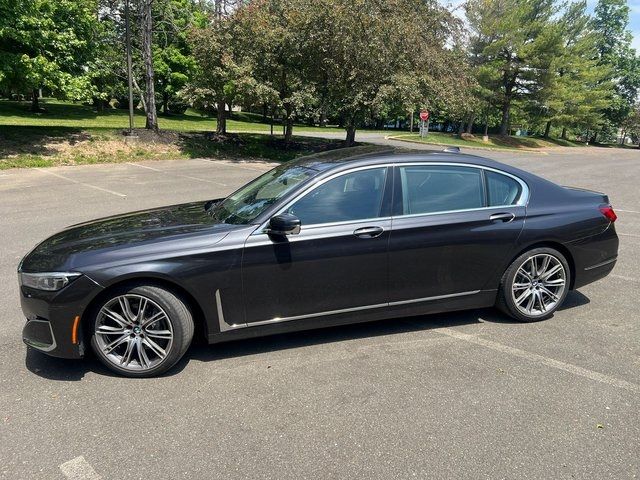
{"x":433,"y":188}
{"x":502,"y":190}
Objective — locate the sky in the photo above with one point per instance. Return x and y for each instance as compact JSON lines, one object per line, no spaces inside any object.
{"x":634,"y":16}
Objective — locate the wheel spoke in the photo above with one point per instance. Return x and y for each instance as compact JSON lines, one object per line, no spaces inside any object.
{"x":552,"y":271}
{"x":155,"y":348}
{"x":558,"y":282}
{"x":162,"y":334}
{"x":141,"y":309}
{"x":126,"y":357}
{"x":550,"y":293}
{"x":154,"y":318}
{"x":543,"y":307}
{"x":109,"y":330}
{"x":116,"y":317}
{"x":545,"y":264}
{"x":531,"y":303}
{"x":126,"y":308}
{"x":142,"y":355}
{"x":524,"y":273}
{"x":117,"y":342}
{"x":523,"y":296}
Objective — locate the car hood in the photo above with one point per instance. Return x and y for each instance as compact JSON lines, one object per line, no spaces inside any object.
{"x":158,"y":230}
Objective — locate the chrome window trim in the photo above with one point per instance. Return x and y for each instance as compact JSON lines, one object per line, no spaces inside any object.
{"x":224,"y":326}
{"x":523,"y":200}
{"x":311,"y":188}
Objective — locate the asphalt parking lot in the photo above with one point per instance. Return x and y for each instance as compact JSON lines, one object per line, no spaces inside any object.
{"x":463,"y":395}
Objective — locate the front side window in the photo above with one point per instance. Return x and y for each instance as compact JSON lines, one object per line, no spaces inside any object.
{"x":502,"y":190}
{"x":244,"y":206}
{"x":435,"y":188}
{"x":349,"y":197}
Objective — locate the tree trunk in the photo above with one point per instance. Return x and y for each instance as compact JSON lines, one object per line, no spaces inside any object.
{"x":547,"y":129}
{"x":470,"y":124}
{"x":35,"y":100}
{"x":351,"y":136}
{"x":265,"y":111}
{"x":461,"y":127}
{"x":564,"y":133}
{"x":221,"y":117}
{"x":288,"y":124}
{"x":165,"y":103}
{"x":149,"y":74}
{"x":506,"y":112}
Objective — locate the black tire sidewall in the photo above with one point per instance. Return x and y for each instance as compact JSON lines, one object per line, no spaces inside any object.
{"x":179,"y":316}
{"x":506,"y":301}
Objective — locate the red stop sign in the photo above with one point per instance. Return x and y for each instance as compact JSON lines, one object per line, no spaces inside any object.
{"x":424,"y":115}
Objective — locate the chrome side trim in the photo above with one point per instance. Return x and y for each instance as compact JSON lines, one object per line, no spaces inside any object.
{"x":430,"y":299}
{"x":224,"y":326}
{"x":321,"y":314}
{"x":602,"y":264}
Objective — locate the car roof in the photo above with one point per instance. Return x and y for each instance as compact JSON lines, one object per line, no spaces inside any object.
{"x":346,"y":158}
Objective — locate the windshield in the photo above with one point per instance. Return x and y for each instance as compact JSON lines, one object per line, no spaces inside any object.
{"x":246,"y":204}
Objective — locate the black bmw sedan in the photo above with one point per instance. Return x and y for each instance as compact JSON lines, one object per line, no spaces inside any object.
{"x":323,"y":241}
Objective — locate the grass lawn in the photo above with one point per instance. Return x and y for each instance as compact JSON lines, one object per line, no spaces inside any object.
{"x":69,"y":134}
{"x":503,"y":143}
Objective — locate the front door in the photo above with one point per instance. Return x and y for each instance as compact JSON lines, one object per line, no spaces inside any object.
{"x":453,"y":229}
{"x":338,"y":261}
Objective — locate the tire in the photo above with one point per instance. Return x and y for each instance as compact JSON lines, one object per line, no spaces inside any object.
{"x":141,"y":330}
{"x":529,"y":295}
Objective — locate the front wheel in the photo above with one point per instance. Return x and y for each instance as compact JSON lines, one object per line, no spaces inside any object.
{"x":535,"y":285}
{"x":141,"y":331}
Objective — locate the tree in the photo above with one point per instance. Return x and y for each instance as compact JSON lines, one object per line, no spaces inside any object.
{"x":578,"y":91}
{"x":219,"y":77}
{"x":47,"y":44}
{"x":513,"y":43}
{"x":173,"y":63}
{"x":375,"y":53}
{"x":610,"y":22}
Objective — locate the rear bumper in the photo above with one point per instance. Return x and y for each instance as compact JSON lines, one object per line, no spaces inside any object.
{"x":594,"y":257}
{"x":51,"y":325}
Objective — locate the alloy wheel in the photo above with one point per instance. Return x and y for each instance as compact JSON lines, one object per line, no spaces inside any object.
{"x":539,"y":285}
{"x":133,"y":332}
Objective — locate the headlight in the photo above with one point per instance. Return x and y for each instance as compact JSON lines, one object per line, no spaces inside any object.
{"x":51,"y":281}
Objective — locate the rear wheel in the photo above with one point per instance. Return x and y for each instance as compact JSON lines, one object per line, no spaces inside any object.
{"x":141,"y":331}
{"x":535,"y":285}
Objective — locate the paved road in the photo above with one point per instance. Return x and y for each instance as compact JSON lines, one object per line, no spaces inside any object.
{"x":464,"y":395}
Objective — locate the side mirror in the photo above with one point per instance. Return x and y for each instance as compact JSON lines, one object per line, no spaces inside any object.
{"x":284,"y":224}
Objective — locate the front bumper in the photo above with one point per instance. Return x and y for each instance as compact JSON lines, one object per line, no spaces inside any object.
{"x":53,"y":318}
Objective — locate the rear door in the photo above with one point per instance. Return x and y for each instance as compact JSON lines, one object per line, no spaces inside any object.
{"x":453,"y":226}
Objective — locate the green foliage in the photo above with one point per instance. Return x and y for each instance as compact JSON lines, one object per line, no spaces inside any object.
{"x":47,"y":43}
{"x":610,"y":22}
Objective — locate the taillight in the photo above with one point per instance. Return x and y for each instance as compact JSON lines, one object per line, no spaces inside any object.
{"x":608,"y":212}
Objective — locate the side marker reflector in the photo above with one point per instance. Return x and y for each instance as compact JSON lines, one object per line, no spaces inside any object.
{"x":74,"y":330}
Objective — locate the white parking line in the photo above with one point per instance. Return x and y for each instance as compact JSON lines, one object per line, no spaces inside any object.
{"x":78,"y":469}
{"x":118,"y":194}
{"x":549,"y":362}
{"x":627,"y":211}
{"x":144,"y":166}
{"x":622,"y":277}
{"x":173,"y":174}
{"x":629,"y":235}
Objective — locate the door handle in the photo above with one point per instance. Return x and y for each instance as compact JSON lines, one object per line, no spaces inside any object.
{"x":502,"y":217}
{"x":368,"y":232}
